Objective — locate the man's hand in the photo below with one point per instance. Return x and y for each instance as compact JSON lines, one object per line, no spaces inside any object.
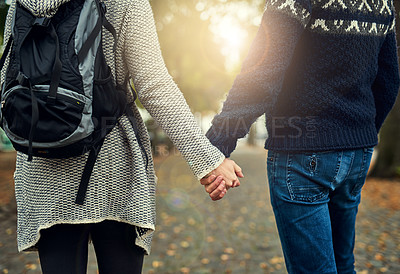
{"x":221,"y":179}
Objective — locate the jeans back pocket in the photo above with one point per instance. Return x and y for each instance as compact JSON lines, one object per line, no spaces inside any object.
{"x":311,"y":176}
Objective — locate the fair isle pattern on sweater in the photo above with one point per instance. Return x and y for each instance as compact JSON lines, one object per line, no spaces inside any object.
{"x":340,"y":26}
{"x":343,"y":26}
{"x":120,"y":187}
{"x":379,"y":6}
{"x":291,"y":8}
{"x":294,"y":9}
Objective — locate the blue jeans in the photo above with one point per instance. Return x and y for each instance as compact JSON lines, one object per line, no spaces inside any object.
{"x":315,"y":197}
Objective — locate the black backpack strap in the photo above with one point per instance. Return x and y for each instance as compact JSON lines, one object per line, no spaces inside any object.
{"x":89,"y":41}
{"x":107,"y":24}
{"x":87,"y":172}
{"x":95,"y":32}
{"x":57,"y":67}
{"x":94,"y":152}
{"x":34,"y":122}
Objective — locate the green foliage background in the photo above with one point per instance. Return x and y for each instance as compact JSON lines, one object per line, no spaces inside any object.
{"x":3,"y":14}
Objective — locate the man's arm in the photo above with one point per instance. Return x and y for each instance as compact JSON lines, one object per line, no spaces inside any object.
{"x":386,"y":85}
{"x":257,"y":86}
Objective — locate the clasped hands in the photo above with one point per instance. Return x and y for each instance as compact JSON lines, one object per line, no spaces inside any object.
{"x":221,"y":179}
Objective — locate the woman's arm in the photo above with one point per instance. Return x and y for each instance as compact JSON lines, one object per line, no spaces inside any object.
{"x":160,"y":95}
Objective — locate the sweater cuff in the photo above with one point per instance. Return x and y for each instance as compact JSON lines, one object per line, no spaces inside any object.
{"x":225,"y":144}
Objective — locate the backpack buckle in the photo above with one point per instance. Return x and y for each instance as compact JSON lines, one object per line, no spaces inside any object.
{"x":23,"y":80}
{"x":41,"y":22}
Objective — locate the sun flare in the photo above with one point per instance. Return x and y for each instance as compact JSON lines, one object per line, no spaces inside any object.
{"x":232,"y":24}
{"x":231,"y":37}
{"x":231,"y":34}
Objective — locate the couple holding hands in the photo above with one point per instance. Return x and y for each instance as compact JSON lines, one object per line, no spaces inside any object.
{"x":325,"y":74}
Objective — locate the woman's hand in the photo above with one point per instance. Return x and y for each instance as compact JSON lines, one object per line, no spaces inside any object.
{"x":221,"y":179}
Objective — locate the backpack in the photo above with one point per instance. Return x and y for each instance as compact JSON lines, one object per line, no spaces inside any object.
{"x":59,"y":98}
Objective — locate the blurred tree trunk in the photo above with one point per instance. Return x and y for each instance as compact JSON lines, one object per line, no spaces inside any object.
{"x":388,"y":161}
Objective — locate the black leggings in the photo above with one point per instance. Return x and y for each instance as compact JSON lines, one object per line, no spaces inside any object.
{"x":63,"y":248}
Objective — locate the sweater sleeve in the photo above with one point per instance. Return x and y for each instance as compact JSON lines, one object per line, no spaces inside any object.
{"x":255,"y":89}
{"x":7,"y":35}
{"x":386,"y":85}
{"x":159,"y":94}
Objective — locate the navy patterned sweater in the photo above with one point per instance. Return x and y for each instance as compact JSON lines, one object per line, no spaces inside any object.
{"x":324,"y":72}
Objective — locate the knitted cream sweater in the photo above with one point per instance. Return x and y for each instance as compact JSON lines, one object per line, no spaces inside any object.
{"x":120,"y":187}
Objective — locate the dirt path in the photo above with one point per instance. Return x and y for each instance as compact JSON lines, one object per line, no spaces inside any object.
{"x":235,"y":235}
